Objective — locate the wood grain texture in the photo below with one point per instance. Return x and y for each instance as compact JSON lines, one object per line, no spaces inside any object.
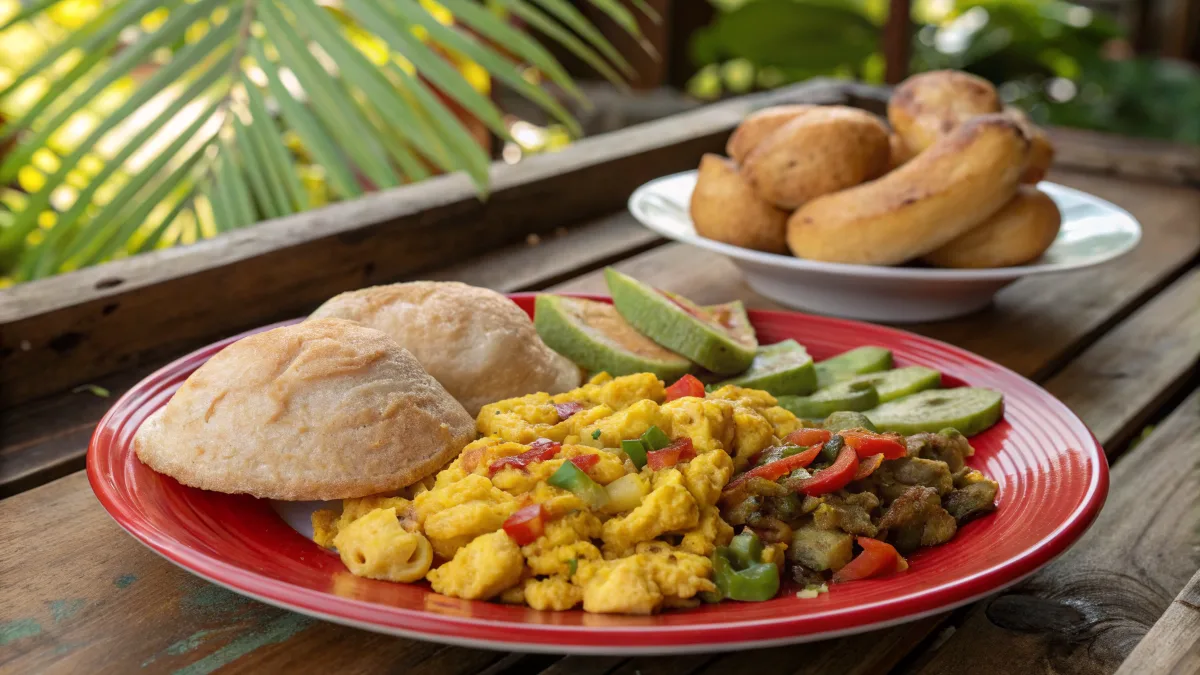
{"x":113,"y":606}
{"x":1173,"y":644}
{"x":47,"y":438}
{"x":59,"y":332}
{"x":1086,"y":611}
{"x":1144,"y":158}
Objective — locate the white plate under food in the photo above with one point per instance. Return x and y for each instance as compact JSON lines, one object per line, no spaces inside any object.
{"x":1094,"y":231}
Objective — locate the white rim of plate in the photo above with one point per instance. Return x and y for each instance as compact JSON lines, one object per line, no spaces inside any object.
{"x":646,"y":197}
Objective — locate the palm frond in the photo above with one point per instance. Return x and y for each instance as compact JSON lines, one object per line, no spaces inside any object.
{"x":234,"y":97}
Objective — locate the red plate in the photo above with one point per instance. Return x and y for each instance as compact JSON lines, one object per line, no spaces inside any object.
{"x":1052,"y":473}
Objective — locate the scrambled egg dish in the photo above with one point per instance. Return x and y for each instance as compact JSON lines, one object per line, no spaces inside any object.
{"x":604,"y":496}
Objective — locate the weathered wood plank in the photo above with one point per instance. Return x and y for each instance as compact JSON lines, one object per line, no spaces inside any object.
{"x":113,"y":606}
{"x":59,"y":332}
{"x":1158,"y":347}
{"x":47,"y":438}
{"x":1173,"y":644}
{"x":1123,"y":156}
{"x":1086,"y":612}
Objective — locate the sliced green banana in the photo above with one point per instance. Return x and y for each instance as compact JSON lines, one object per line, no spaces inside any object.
{"x":849,"y":364}
{"x":970,"y":410}
{"x":894,"y":384}
{"x":845,"y":419}
{"x":680,"y":325}
{"x":780,"y":369}
{"x":593,"y":335}
{"x":852,"y":396}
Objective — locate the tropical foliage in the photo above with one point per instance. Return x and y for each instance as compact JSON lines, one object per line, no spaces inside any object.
{"x":1053,"y":58}
{"x":139,"y":124}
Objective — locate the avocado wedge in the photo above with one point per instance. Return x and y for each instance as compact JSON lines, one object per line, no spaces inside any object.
{"x":680,"y":325}
{"x":852,"y":363}
{"x":593,"y":335}
{"x":784,"y":368}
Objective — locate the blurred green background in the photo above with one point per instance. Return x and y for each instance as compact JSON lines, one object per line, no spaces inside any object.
{"x":1065,"y":64}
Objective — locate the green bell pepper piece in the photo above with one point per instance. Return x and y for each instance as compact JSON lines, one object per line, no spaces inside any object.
{"x":830,"y":450}
{"x":655,"y":439}
{"x":636,"y":450}
{"x":745,"y":549}
{"x":573,"y":479}
{"x":755,"y":583}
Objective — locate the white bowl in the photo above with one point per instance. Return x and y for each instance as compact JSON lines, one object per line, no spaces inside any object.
{"x":1094,"y":231}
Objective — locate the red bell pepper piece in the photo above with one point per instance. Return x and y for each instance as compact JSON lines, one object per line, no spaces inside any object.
{"x":565,"y":410}
{"x":527,"y":524}
{"x":539,"y":451}
{"x":585,"y":462}
{"x":807,"y":437}
{"x":867,"y":443}
{"x":779,"y":468}
{"x":680,"y":450}
{"x":867,"y":466}
{"x":687,"y":385}
{"x":832,"y":478}
{"x":877,"y":557}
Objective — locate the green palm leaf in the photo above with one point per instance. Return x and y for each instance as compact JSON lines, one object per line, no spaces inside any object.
{"x":222,"y":83}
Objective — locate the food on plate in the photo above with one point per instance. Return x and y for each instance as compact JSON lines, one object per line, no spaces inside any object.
{"x":894,"y":384}
{"x":848,"y":395}
{"x":1041,"y":150}
{"x":937,"y":196}
{"x":927,"y":106}
{"x":782,"y":368}
{"x":593,"y":335}
{"x":851,"y":363}
{"x":732,"y":317}
{"x":325,"y":409}
{"x":898,"y":151}
{"x":760,"y":124}
{"x":474,"y":341}
{"x":681,"y":325}
{"x":970,"y":410}
{"x":725,"y":208}
{"x":623,"y":495}
{"x":604,"y":496}
{"x":851,"y":191}
{"x":825,"y":493}
{"x":816,"y":153}
{"x":846,"y":419}
{"x":1020,"y":232}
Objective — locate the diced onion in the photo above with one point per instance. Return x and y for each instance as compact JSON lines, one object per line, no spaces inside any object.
{"x":626,"y":493}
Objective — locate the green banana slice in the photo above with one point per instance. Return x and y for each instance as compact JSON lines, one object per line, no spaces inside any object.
{"x":852,"y":396}
{"x":594,"y":336}
{"x":849,"y":364}
{"x":779,"y":369}
{"x":680,"y":325}
{"x":968,"y":409}
{"x":894,"y":384}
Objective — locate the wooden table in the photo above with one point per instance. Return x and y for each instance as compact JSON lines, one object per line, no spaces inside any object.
{"x":1119,"y":344}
